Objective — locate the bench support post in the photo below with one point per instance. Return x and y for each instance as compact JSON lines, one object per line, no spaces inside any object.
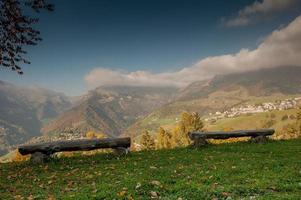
{"x":39,"y":158}
{"x":199,"y":142}
{"x":259,"y":139}
{"x":121,"y":151}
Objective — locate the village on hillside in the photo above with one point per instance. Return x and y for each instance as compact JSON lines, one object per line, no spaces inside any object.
{"x":255,"y":108}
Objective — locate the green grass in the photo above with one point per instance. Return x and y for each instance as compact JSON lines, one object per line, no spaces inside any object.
{"x":238,"y":170}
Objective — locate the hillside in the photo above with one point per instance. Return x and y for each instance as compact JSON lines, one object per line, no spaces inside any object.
{"x":109,"y":110}
{"x":243,"y":121}
{"x":263,"y":82}
{"x":222,"y":93}
{"x":229,"y":171}
{"x":23,"y":110}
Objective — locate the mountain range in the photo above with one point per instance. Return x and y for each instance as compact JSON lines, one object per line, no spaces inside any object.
{"x":27,"y":112}
{"x":110,"y":110}
{"x":24,"y":110}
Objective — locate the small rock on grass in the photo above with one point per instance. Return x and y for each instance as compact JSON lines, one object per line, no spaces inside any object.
{"x":156,"y":183}
{"x":138,"y":186}
{"x":154,"y":195}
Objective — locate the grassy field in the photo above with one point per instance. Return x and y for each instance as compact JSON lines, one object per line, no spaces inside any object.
{"x":229,"y":171}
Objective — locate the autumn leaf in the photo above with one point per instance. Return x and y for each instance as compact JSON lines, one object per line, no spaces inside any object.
{"x":121,"y":193}
{"x":18,"y":197}
{"x":225,"y":194}
{"x":51,"y":197}
{"x":30,"y":197}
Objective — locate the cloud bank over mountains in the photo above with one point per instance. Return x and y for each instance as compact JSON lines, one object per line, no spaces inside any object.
{"x":258,"y":11}
{"x":281,"y":48}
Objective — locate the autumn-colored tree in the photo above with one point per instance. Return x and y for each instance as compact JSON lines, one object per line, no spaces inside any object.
{"x":284,"y":117}
{"x":197,"y":123}
{"x":227,"y":129}
{"x":292,"y":130}
{"x":178,"y":137}
{"x":164,"y":139}
{"x":268,"y":123}
{"x":17,"y":157}
{"x":100,"y":135}
{"x":134,"y":146}
{"x":273,"y":115}
{"x":147,"y":141}
{"x":189,"y":122}
{"x":289,"y":131}
{"x":160,"y":138}
{"x":93,"y":134}
{"x":90,"y":134}
{"x":299,"y":114}
{"x":298,"y":121}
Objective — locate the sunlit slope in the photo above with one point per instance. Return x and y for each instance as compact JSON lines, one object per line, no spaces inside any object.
{"x":110,"y":109}
{"x":222,"y":93}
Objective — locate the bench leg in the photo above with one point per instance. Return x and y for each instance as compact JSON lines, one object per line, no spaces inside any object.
{"x":199,"y":142}
{"x":39,"y":158}
{"x":121,"y":151}
{"x":259,"y":139}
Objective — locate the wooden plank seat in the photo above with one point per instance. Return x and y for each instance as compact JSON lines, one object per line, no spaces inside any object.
{"x":258,"y":136}
{"x":41,"y":152}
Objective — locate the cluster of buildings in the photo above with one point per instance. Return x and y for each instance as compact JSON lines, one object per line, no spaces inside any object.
{"x":251,"y":109}
{"x":65,"y":135}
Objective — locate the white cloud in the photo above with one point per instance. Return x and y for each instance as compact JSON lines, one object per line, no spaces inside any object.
{"x":280,"y":48}
{"x":259,"y":10}
{"x":104,"y":76}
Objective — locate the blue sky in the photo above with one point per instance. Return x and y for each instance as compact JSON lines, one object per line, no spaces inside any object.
{"x":156,"y":36}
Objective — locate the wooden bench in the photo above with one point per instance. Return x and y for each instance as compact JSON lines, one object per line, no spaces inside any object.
{"x":41,"y":152}
{"x":258,"y":136}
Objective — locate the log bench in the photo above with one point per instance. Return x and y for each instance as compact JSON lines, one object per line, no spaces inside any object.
{"x":41,"y":152}
{"x":257,"y":136}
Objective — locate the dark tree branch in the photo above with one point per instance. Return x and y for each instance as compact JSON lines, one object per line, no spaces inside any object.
{"x":17,"y":32}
